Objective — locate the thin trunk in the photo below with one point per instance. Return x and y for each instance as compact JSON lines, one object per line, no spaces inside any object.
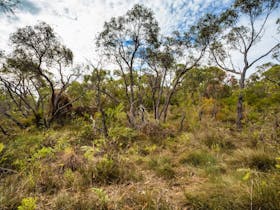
{"x":240,"y":102}
{"x":154,"y":105}
{"x":214,"y":110}
{"x":161,"y":87}
{"x":239,"y":111}
{"x":182,"y":121}
{"x":167,"y":102}
{"x":200,"y":114}
{"x":100,"y":107}
{"x":104,"y":125}
{"x":132,"y":106}
{"x":38,"y":120}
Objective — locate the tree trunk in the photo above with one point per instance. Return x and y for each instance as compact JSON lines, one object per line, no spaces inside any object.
{"x":182,"y":122}
{"x":104,"y":125}
{"x":132,"y":102}
{"x":166,"y":104}
{"x":240,"y":102}
{"x":239,"y":111}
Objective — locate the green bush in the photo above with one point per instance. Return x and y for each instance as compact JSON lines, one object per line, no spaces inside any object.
{"x":86,"y":134}
{"x":28,"y":204}
{"x":122,"y":136}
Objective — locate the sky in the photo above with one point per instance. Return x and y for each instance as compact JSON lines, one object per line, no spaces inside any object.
{"x":78,"y":22}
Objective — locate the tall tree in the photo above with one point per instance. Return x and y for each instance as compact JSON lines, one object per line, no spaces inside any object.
{"x":123,"y":39}
{"x":241,"y":39}
{"x":37,"y":59}
{"x":180,"y":53}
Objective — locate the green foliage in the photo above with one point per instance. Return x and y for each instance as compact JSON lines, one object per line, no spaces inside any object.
{"x":122,"y":135}
{"x":116,"y":115}
{"x":43,"y":153}
{"x":17,"y":151}
{"x":102,"y":196}
{"x":86,"y":134}
{"x":28,"y":204}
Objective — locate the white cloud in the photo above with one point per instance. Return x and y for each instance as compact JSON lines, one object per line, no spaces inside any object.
{"x":78,"y":21}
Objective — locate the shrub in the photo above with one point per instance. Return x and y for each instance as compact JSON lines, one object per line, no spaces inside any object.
{"x":148,"y":149}
{"x":48,"y":181}
{"x":121,"y":136}
{"x":71,"y":160}
{"x":86,"y":134}
{"x":43,"y":153}
{"x":28,"y":204}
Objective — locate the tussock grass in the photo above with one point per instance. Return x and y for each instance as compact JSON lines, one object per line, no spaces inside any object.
{"x":255,"y":159}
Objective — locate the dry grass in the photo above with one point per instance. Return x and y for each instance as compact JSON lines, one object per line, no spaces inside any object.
{"x":198,"y":170}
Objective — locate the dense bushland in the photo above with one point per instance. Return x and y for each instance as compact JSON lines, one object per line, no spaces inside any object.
{"x":160,"y":131}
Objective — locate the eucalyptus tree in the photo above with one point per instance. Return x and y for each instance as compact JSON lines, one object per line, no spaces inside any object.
{"x":122,"y":40}
{"x":177,"y":55}
{"x":38,"y":58}
{"x":160,"y":63}
{"x":241,"y":38}
{"x":97,"y":82}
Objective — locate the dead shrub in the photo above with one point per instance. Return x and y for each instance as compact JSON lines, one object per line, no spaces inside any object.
{"x":71,"y":160}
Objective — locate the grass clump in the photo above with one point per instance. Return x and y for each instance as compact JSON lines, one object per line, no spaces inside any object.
{"x":109,"y":170}
{"x":198,"y":158}
{"x":216,"y":197}
{"x":163,"y":167}
{"x":143,"y":200}
{"x":88,"y":200}
{"x":254,"y":159}
{"x":217,"y":138}
{"x":255,"y":193}
{"x":266,"y":193}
